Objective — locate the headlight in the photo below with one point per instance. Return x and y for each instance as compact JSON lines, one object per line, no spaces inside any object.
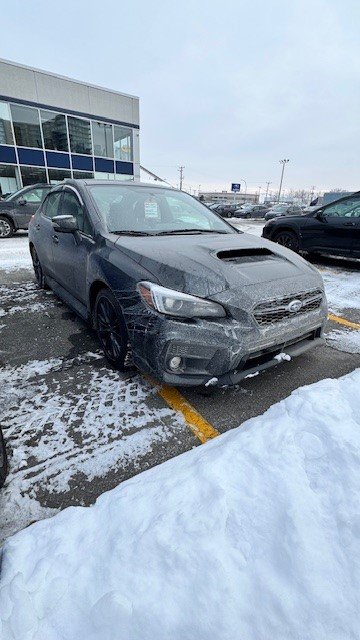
{"x":174,"y":303}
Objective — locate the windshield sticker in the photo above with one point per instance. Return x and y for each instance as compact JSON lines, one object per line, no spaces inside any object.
{"x":152,"y":210}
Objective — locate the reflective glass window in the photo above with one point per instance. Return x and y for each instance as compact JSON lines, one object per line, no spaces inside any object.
{"x":102,"y":139}
{"x":123,"y":143}
{"x":26,"y":126}
{"x":30,"y":175}
{"x":56,"y":175}
{"x":80,"y":135}
{"x":101,"y":175}
{"x":6,"y":136}
{"x":54,"y":130}
{"x":9,"y":180}
{"x":82,"y":175}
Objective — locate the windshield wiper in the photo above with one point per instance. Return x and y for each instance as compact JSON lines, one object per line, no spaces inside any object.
{"x":177,"y":231}
{"x":131,"y":232}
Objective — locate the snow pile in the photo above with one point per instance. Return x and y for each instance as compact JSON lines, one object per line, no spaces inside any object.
{"x":255,"y":535}
{"x":347,"y":340}
{"x":342,"y":288}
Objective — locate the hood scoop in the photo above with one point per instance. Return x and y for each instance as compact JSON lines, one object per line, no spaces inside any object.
{"x":245,"y":256}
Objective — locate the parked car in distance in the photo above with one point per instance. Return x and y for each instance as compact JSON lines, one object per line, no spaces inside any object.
{"x":152,"y":269}
{"x":331,"y":229}
{"x":17,"y":208}
{"x":224,"y":210}
{"x":3,"y":460}
{"x":283,"y":209}
{"x":251,"y":211}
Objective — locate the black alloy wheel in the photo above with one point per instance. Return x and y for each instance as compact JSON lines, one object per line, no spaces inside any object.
{"x":110,"y":328}
{"x":39,"y":274}
{"x":6,"y":227}
{"x":288,"y":239}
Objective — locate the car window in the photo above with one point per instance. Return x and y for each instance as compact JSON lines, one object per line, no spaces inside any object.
{"x":153,"y":210}
{"x":71,"y":206}
{"x":51,"y":204}
{"x":349,"y":208}
{"x":34,"y":195}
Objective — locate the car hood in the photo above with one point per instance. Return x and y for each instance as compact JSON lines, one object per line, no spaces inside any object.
{"x":206,"y":265}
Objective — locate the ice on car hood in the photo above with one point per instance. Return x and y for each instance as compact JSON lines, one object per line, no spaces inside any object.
{"x":206,"y":265}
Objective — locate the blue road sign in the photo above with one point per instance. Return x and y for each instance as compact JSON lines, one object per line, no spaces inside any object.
{"x":235,"y":186}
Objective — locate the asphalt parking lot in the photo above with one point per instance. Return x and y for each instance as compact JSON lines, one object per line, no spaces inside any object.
{"x":75,"y":428}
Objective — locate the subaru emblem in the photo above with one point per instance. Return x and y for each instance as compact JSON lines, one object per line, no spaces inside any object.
{"x":294,"y":306}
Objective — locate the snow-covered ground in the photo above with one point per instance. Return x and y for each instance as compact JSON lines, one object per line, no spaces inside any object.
{"x":14,"y":253}
{"x":255,"y":535}
{"x":85,"y":422}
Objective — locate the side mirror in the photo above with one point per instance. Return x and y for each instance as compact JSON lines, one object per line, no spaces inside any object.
{"x":65,"y":224}
{"x":21,"y":201}
{"x":319,"y":215}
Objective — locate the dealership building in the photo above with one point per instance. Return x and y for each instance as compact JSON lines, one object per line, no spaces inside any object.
{"x":52,"y":127}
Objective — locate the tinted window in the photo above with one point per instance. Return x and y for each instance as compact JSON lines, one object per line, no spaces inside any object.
{"x":349,"y":208}
{"x":51,"y":204}
{"x":80,"y":135}
{"x":26,"y":126}
{"x":9,"y":181}
{"x":56,"y":175}
{"x":54,"y":130}
{"x":6,"y":136}
{"x":102,"y":139}
{"x":71,"y":206}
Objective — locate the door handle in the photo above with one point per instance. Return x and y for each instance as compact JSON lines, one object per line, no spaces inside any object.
{"x":55,"y":239}
{"x":37,"y":227}
{"x":349,"y":224}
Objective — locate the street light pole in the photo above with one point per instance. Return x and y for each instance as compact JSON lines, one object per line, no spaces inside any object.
{"x":267,"y":191}
{"x":181,"y":171}
{"x":283,"y":162}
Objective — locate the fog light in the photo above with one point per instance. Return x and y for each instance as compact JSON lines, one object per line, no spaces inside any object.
{"x":175,"y":363}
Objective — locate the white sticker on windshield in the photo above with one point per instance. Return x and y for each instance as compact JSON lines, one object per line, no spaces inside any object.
{"x":151,"y":208}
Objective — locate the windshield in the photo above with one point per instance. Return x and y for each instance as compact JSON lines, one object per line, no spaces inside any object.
{"x":150,"y":210}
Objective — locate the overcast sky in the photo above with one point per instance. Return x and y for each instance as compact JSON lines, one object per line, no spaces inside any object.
{"x":226,"y":88}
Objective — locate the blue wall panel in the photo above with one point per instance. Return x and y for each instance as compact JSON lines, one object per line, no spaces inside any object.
{"x":34,"y":157}
{"x":102,"y":164}
{"x":82,"y":163}
{"x":7,"y":154}
{"x":124,"y":167}
{"x":58,"y":160}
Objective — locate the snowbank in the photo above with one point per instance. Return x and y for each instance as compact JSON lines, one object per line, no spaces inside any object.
{"x":253,"y":536}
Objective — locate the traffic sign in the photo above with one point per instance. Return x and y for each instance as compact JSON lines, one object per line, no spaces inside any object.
{"x":235,"y":186}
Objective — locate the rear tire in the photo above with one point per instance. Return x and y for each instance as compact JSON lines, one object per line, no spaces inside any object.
{"x":7,"y":228}
{"x":110,"y":328}
{"x":288,"y":239}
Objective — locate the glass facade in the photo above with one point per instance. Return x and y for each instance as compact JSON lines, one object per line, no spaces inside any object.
{"x":38,"y":144}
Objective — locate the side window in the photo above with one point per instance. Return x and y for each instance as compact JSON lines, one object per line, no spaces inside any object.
{"x":34,"y":195}
{"x":71,"y":206}
{"x":349,"y":208}
{"x":51,"y":204}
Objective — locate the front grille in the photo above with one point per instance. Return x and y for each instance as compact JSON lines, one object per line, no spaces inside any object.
{"x":277,"y":309}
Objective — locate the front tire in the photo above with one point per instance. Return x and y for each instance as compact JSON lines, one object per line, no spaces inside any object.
{"x":110,"y":328}
{"x":39,"y":274}
{"x":7,"y":228}
{"x":288,"y":239}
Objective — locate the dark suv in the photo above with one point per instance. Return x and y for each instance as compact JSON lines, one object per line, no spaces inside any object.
{"x":17,"y":208}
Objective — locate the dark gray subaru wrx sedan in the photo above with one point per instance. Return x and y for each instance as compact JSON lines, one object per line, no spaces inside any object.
{"x":151,"y":268}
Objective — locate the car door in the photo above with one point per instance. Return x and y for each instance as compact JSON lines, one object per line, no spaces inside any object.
{"x":43,"y":230}
{"x":71,"y":250}
{"x":332,"y":228}
{"x":28,"y":203}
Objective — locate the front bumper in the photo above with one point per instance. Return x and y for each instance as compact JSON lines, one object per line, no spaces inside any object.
{"x":226,"y":349}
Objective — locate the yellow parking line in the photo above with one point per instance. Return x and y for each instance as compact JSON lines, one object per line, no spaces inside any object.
{"x":202,"y":429}
{"x":343,"y":321}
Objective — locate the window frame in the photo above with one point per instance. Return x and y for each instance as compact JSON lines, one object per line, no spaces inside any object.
{"x":69,"y":188}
